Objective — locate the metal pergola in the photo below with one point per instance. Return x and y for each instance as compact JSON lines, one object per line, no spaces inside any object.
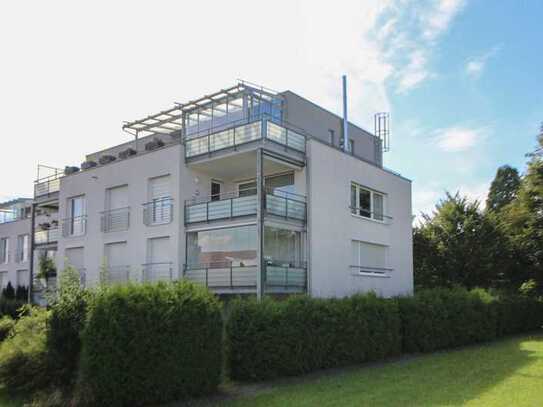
{"x":184,"y":115}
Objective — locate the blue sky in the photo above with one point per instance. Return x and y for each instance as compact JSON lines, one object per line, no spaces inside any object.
{"x":461,"y":78}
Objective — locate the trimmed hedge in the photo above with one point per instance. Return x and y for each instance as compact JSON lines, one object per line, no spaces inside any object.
{"x":271,"y":339}
{"x":10,"y":307}
{"x":283,"y":338}
{"x":151,"y":343}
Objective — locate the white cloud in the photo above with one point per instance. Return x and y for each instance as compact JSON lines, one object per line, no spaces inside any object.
{"x":415,"y":72}
{"x":476,"y":65}
{"x":457,"y":139}
{"x":437,"y":19}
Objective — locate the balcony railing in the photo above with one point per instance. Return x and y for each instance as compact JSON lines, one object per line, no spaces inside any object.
{"x":380,"y":271}
{"x":224,"y":206}
{"x":157,"y":272}
{"x":76,"y":226}
{"x":286,"y":276}
{"x":47,"y":185}
{"x":279,"y":276}
{"x":289,"y":206}
{"x":261,"y":128}
{"x":158,"y":211}
{"x":222,"y":275}
{"x":46,"y":236}
{"x":115,"y":220}
{"x":117,"y":274}
{"x":232,"y":205}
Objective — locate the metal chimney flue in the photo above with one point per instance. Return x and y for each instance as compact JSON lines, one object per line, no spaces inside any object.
{"x":345,"y":120}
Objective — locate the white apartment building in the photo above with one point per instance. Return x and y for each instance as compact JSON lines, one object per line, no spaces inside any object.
{"x":245,"y":190}
{"x":15,"y":242}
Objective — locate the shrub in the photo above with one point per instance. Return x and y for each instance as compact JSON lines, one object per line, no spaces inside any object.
{"x":8,"y":292}
{"x":517,"y":314}
{"x":21,"y":293}
{"x":151,"y":343}
{"x":23,"y":365}
{"x":443,"y":318}
{"x":10,"y":307}
{"x":6,"y":325}
{"x":270,"y":338}
{"x":68,"y":312}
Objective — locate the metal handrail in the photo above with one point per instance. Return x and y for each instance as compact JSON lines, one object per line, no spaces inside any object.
{"x":158,"y":211}
{"x":121,"y":215}
{"x":50,"y":235}
{"x":194,"y":272}
{"x":149,"y":268}
{"x":222,"y":197}
{"x":370,"y":212}
{"x":80,"y":221}
{"x":374,"y":270}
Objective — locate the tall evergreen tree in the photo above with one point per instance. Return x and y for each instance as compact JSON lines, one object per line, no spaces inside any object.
{"x":504,"y":188}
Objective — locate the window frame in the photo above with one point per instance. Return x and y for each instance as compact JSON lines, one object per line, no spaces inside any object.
{"x":4,"y":250}
{"x":23,"y":244}
{"x":357,"y":210}
{"x":362,"y":270}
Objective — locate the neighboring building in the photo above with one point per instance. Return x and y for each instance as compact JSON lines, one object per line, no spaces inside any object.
{"x":15,"y":242}
{"x":245,"y":191}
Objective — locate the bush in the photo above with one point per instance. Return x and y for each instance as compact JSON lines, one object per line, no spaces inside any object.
{"x":8,"y":292}
{"x":151,"y":343}
{"x":517,"y":314}
{"x":444,"y":318}
{"x":269,"y":338}
{"x":6,"y":325}
{"x":23,"y":365}
{"x":68,"y":312}
{"x":10,"y":307}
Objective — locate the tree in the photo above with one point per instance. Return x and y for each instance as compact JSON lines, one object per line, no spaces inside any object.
{"x":523,"y":218}
{"x":504,"y":188}
{"x":458,"y":245}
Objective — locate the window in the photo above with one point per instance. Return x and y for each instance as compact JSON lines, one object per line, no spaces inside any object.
{"x":235,"y":246}
{"x":76,"y":216}
{"x":22,"y":248}
{"x":351,"y":146}
{"x":369,"y":258}
{"x":116,"y":255}
{"x":247,"y":188}
{"x":23,"y":278}
{"x":159,"y":208}
{"x":282,"y":246}
{"x":4,"y":250}
{"x":280,"y":184}
{"x":215,"y":191}
{"x":332,"y":136}
{"x":367,"y":203}
{"x":3,"y":279}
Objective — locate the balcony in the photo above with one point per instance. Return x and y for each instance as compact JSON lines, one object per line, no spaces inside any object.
{"x":157,"y":272}
{"x":231,"y":205}
{"x":260,"y":129}
{"x":279,"y":277}
{"x":49,"y":184}
{"x":46,"y":236}
{"x":76,"y":226}
{"x":115,"y":220}
{"x":158,"y":212}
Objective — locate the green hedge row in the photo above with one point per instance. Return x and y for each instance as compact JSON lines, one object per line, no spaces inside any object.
{"x":146,"y":344}
{"x":271,"y":338}
{"x":282,"y":338}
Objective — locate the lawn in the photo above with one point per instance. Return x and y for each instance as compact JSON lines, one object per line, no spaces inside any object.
{"x":504,"y":373}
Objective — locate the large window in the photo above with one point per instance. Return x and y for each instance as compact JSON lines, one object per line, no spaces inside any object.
{"x":282,"y":246}
{"x":230,"y":246}
{"x":4,"y":250}
{"x":367,"y":203}
{"x":76,"y":216}
{"x":22,"y":248}
{"x":369,"y":257}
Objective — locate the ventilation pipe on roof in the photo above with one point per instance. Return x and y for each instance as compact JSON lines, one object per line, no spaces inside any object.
{"x":345,"y":121}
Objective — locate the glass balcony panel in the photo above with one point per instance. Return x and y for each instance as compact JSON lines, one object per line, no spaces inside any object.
{"x":196,"y":213}
{"x":276,"y":205}
{"x":243,"y":206}
{"x":276,"y":133}
{"x":223,"y":139}
{"x":295,"y":141}
{"x":219,"y":209}
{"x":296,"y":209}
{"x":248,"y":132}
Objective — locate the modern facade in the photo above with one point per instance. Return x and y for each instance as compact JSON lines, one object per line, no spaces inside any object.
{"x":15,"y":242}
{"x":245,"y":190}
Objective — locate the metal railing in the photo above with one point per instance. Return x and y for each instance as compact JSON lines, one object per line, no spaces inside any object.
{"x":382,"y":271}
{"x":115,"y":220}
{"x":377,"y":216}
{"x":46,"y":236}
{"x":261,"y":127}
{"x":47,"y":185}
{"x":158,"y":212}
{"x":162,"y":271}
{"x":76,"y":226}
{"x":231,"y":205}
{"x":224,"y":206}
{"x":286,"y":275}
{"x":285,"y":206}
{"x":117,"y":274}
{"x":222,"y":275}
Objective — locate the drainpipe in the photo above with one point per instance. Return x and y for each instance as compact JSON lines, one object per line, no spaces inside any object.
{"x":31,"y":254}
{"x":345,"y":121}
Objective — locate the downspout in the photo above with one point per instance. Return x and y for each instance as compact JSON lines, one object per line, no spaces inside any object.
{"x":31,"y":254}
{"x":345,"y":121}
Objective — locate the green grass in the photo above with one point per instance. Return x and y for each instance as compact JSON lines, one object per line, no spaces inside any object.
{"x":503,"y":373}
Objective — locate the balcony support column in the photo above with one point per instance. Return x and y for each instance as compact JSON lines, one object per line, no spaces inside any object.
{"x":260,"y":269}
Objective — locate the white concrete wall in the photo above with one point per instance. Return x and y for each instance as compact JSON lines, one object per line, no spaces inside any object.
{"x":11,"y":230}
{"x":134,"y":172}
{"x":332,"y":226}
